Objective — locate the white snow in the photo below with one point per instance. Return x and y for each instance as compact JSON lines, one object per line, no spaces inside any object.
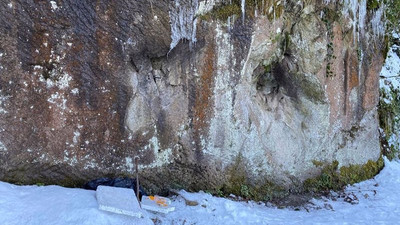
{"x":52,"y":205}
{"x":53,"y":5}
{"x":59,"y":100}
{"x":378,"y":203}
{"x":391,"y":69}
{"x":62,"y":82}
{"x":129,"y":164}
{"x":75,"y":91}
{"x":77,"y":134}
{"x":3,"y":148}
{"x":3,"y":102}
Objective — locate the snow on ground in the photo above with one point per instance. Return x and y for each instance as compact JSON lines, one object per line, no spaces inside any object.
{"x":47,"y":205}
{"x":378,"y":203}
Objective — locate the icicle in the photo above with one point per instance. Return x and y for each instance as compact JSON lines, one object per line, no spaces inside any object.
{"x":256,"y":10}
{"x":263,"y":7}
{"x":270,"y":9}
{"x":354,"y":6}
{"x":183,"y":22}
{"x":229,"y":23}
{"x":351,"y":6}
{"x":243,"y":9}
{"x":378,"y":26}
{"x":362,"y":13}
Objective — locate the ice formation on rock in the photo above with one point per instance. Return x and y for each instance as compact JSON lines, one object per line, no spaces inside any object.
{"x":377,"y":23}
{"x":183,"y":21}
{"x":243,"y":7}
{"x":362,"y":12}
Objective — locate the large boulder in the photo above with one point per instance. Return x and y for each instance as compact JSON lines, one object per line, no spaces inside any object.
{"x":208,"y":96}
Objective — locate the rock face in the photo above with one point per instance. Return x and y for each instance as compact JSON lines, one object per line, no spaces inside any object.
{"x":202,"y":92}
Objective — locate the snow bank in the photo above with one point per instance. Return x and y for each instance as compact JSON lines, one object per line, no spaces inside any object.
{"x":378,"y":203}
{"x":49,"y":205}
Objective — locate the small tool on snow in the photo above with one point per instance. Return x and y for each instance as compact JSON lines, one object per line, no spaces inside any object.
{"x":137,"y":180}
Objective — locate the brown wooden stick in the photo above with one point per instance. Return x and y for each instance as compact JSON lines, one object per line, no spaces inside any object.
{"x":137,"y":180}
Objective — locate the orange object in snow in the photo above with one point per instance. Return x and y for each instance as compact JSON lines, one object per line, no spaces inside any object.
{"x":159,"y":200}
{"x":157,"y":204}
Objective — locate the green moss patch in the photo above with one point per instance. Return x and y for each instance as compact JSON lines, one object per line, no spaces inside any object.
{"x":227,"y":9}
{"x":332,"y":178}
{"x":239,"y":184}
{"x":312,"y":91}
{"x":372,"y":4}
{"x":222,"y":12}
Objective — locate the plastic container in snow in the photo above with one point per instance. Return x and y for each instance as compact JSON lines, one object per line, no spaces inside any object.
{"x":118,"y":200}
{"x":157,"y":204}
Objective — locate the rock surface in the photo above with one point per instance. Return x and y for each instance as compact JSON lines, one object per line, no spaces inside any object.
{"x":87,"y":86}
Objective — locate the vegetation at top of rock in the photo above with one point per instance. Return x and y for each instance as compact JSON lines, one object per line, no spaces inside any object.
{"x":271,"y":8}
{"x":389,"y":101}
{"x":222,"y":12}
{"x":392,"y":14}
{"x":373,"y":4}
{"x":333,"y":178}
{"x":328,"y":17}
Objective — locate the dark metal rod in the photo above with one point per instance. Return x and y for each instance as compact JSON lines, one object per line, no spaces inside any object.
{"x":137,"y":180}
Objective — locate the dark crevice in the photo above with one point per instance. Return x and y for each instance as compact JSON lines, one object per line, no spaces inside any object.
{"x":133,"y":64}
{"x":345,"y":81}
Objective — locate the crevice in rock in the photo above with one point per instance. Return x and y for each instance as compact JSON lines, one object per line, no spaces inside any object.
{"x":275,"y":78}
{"x":48,"y":70}
{"x":133,"y":64}
{"x":157,"y":62}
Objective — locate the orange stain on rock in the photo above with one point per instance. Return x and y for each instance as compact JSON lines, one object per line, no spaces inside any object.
{"x":204,"y":91}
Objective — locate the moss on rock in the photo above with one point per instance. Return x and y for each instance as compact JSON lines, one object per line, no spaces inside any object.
{"x":312,"y":91}
{"x":272,"y":9}
{"x":239,"y":184}
{"x":222,"y":12}
{"x":332,"y":178}
{"x":372,"y":4}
